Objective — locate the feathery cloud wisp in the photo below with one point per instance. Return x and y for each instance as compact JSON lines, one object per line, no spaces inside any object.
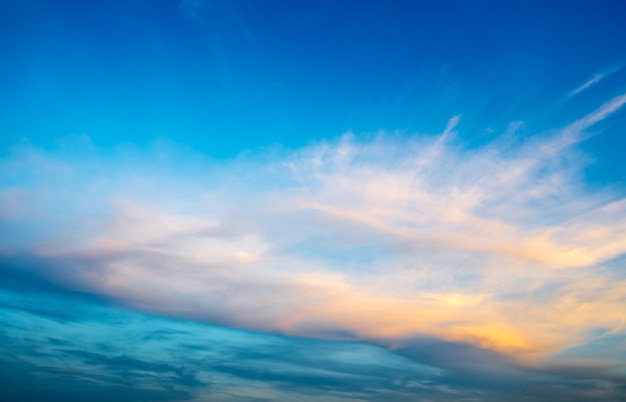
{"x":594,"y":80}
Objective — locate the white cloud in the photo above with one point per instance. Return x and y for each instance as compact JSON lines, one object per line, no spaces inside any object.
{"x":594,"y":80}
{"x":385,"y":238}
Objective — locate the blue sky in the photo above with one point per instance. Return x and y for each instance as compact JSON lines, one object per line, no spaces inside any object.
{"x":227,"y":76}
{"x":316,"y":201}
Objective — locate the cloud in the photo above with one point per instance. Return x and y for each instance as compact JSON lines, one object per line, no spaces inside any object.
{"x":379,"y":239}
{"x":105,"y":352}
{"x":594,"y":80}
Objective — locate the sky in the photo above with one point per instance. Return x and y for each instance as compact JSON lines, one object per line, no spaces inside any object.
{"x":246,"y":200}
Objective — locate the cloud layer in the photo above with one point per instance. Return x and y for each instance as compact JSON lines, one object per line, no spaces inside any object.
{"x":384,"y":238}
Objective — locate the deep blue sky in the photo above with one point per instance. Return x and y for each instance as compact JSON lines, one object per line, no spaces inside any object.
{"x":216,"y":200}
{"x":224,"y":76}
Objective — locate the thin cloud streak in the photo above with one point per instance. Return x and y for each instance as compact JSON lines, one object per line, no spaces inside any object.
{"x":594,"y":80}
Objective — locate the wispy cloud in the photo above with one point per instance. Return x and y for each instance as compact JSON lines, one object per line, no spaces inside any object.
{"x":594,"y":80}
{"x":382,"y":239}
